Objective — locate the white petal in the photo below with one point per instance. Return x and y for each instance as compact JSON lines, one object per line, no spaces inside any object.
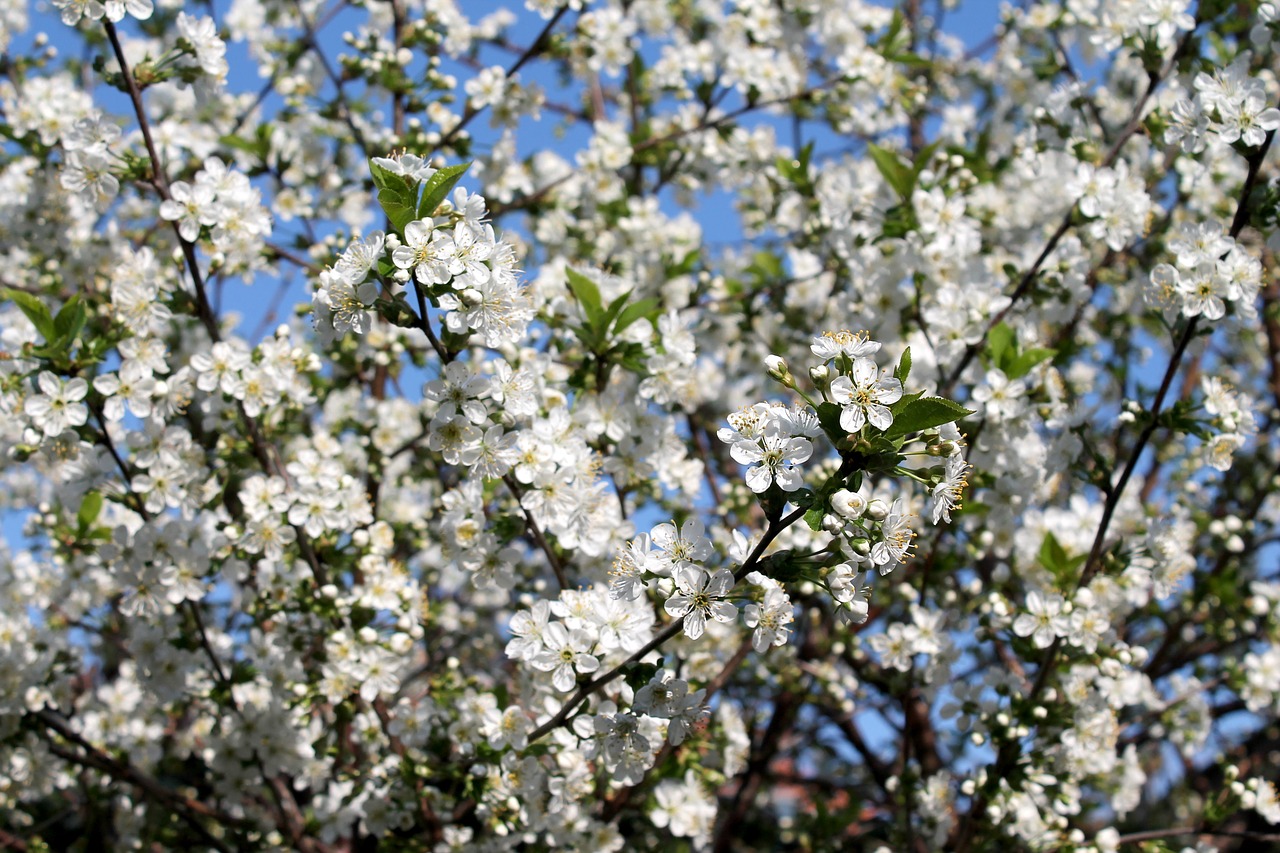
{"x":879,"y":416}
{"x":852,"y":419}
{"x":788,"y":479}
{"x":759,"y":478}
{"x":720,"y":583}
{"x":677,"y":605}
{"x":841,"y":389}
{"x":723,"y":611}
{"x":563,"y":679}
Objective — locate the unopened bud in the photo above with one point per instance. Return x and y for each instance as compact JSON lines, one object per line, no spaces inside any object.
{"x":942,"y":448}
{"x":861,"y":547}
{"x":877,"y":511}
{"x":849,"y":504}
{"x":777,"y":367}
{"x":820,"y":374}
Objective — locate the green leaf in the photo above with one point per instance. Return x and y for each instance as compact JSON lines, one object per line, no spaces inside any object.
{"x":70,"y":319}
{"x":925,"y":413}
{"x":907,"y":399}
{"x":829,"y":417}
{"x":90,"y":507}
{"x":615,"y":308}
{"x":888,"y":43}
{"x":1180,"y":417}
{"x":897,"y":174}
{"x":644,"y":309}
{"x":903,"y":370}
{"x":588,"y":296}
{"x":1021,"y":365}
{"x":814,"y":517}
{"x":386,"y":179}
{"x":397,"y":195}
{"x":1002,"y":345}
{"x":259,"y":146}
{"x":438,"y":187}
{"x":398,"y":208}
{"x":35,"y":309}
{"x":1052,"y":555}
{"x":796,"y":171}
{"x":1056,"y":560}
{"x":765,"y":266}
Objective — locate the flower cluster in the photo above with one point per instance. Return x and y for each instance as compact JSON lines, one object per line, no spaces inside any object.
{"x":532,"y":539}
{"x":1229,"y":104}
{"x":452,"y":254}
{"x":1210,"y":271}
{"x":223,"y":200}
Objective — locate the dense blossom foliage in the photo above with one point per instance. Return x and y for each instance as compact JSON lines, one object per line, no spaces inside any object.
{"x":704,"y":425}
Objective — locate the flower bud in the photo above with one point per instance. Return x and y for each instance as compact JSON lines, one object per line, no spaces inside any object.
{"x":942,"y":448}
{"x":820,"y":374}
{"x":861,"y":547}
{"x":877,"y":511}
{"x":849,"y":504}
{"x":777,"y":368}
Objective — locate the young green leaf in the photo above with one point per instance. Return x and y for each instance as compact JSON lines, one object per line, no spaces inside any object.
{"x":897,"y":174}
{"x":1021,"y":365}
{"x":644,"y":309}
{"x":612,"y":312}
{"x":90,"y":507}
{"x":829,"y":417}
{"x":925,"y":413}
{"x":897,"y":408}
{"x":1002,"y":346}
{"x":588,"y":295}
{"x":37,"y":312}
{"x":386,"y":179}
{"x":438,"y":187}
{"x":70,"y":319}
{"x":903,"y":370}
{"x":397,"y":196}
{"x":398,"y":207}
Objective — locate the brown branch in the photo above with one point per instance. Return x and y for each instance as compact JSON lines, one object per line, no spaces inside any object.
{"x":1028,"y":278}
{"x":618,"y":801}
{"x":1153,"y":834}
{"x":1010,"y":749}
{"x":586,"y":690}
{"x":535,"y":532}
{"x":161,"y":182}
{"x":535,"y":47}
{"x":188,"y":809}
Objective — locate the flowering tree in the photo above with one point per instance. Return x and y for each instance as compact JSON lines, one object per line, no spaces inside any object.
{"x":772,"y":424}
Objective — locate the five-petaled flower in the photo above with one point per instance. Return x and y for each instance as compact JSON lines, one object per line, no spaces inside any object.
{"x":865,"y":396}
{"x":58,"y":406}
{"x":700,"y":595}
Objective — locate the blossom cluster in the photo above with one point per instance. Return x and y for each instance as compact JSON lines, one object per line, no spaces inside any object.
{"x":1229,"y":104}
{"x":549,"y":522}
